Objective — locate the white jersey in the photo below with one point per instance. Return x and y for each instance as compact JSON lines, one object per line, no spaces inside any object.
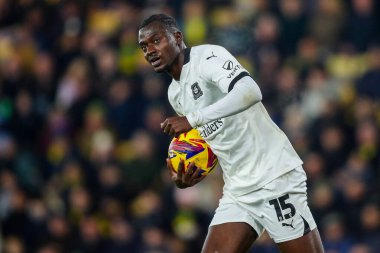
{"x":251,"y":148}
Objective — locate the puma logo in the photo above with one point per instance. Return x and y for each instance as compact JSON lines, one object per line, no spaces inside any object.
{"x":212,"y":55}
{"x":288,"y":225}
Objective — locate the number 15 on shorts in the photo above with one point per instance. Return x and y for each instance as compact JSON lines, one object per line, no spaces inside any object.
{"x":284,"y":209}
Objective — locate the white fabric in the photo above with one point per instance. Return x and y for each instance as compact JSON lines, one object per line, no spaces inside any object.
{"x":255,"y":209}
{"x":251,"y":149}
{"x":244,"y":94}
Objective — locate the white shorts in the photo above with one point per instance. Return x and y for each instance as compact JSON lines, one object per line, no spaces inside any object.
{"x":280,"y":208}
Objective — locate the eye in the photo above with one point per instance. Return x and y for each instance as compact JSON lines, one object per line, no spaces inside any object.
{"x":143,"y":47}
{"x":156,"y":41}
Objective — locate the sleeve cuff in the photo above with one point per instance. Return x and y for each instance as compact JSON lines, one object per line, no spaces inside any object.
{"x":194,"y":119}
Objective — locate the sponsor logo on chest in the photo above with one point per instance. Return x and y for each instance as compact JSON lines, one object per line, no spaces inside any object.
{"x":209,"y":128}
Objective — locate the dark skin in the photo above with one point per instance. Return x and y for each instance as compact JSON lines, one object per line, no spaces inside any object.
{"x":183,"y":178}
{"x":164,"y":50}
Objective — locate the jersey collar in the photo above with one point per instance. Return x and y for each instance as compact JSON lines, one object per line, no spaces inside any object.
{"x":185,"y":68}
{"x":187,"y":55}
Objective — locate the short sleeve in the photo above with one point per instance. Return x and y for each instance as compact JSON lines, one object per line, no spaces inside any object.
{"x":221,"y":68}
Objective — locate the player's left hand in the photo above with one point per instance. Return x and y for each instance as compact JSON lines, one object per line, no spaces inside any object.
{"x":185,"y":177}
{"x":176,"y":125}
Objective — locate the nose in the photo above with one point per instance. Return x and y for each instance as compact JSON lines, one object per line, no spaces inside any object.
{"x":150,"y":49}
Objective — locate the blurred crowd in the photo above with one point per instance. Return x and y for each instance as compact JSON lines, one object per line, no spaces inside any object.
{"x":82,"y":155}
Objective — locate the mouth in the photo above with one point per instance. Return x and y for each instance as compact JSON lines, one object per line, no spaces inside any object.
{"x":155,"y":61}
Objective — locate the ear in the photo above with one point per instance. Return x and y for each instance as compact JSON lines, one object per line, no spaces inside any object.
{"x":178,"y":37}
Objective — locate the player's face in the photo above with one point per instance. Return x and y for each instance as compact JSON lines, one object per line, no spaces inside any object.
{"x":159,"y":46}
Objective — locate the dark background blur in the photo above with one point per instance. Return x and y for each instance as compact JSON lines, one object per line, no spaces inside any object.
{"x":82,"y":156}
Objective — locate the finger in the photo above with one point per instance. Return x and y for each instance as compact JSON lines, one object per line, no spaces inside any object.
{"x":197,"y":173}
{"x":180,"y":169}
{"x":172,"y":132}
{"x":167,"y":127}
{"x":164,"y":124}
{"x":170,"y":168}
{"x":191,"y":169}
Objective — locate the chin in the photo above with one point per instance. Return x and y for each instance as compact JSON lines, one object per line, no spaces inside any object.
{"x":159,"y":69}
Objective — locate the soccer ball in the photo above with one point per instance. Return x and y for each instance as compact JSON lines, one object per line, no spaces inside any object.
{"x":191,"y":147}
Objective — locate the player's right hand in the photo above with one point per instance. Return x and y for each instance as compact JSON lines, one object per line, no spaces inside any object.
{"x":176,"y":125}
{"x":185,"y":177}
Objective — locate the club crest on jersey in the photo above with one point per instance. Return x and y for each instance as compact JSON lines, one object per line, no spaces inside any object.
{"x":197,"y":92}
{"x":228,"y":65}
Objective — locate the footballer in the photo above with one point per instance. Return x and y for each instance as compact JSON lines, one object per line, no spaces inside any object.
{"x":265,"y":184}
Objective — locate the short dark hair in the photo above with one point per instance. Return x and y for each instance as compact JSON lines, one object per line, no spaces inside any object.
{"x":167,"y":21}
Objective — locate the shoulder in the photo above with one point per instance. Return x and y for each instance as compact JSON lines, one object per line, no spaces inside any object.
{"x":207,"y":51}
{"x":206,"y":57}
{"x":173,"y":86}
{"x":172,"y":91}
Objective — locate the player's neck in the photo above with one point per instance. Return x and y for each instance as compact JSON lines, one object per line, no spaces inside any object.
{"x":176,"y":68}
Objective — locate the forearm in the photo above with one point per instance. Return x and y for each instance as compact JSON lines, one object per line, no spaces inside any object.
{"x":244,"y":94}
